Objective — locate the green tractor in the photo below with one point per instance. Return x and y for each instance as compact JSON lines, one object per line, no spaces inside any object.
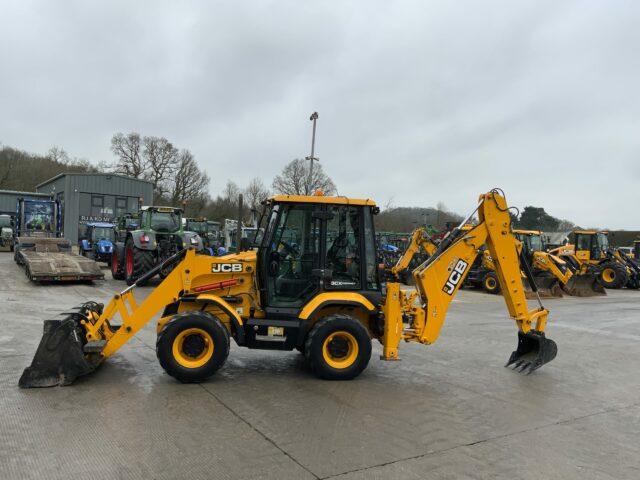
{"x":209,"y":232}
{"x":157,"y":235}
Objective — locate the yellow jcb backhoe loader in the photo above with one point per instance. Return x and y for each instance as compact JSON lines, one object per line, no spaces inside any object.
{"x":591,"y":252}
{"x":552,"y":274}
{"x":312,"y":284}
{"x":420,"y":245}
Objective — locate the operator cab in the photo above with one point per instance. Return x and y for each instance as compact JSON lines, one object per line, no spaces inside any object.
{"x":161,"y":219}
{"x":531,"y":241}
{"x":313,"y":244}
{"x":591,"y":245}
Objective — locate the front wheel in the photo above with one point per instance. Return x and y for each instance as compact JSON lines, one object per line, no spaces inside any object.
{"x":192,"y":346}
{"x":613,"y":275}
{"x":491,"y":284}
{"x":338,"y":348}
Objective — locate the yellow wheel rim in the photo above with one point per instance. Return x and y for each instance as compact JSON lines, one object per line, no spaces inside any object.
{"x":609,"y":275}
{"x":490,"y":283}
{"x":340,"y":350}
{"x":192,"y":348}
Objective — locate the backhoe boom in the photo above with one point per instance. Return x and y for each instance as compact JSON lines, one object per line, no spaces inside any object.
{"x":440,"y":277}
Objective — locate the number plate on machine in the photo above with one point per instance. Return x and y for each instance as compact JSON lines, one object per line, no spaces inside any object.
{"x":275,"y":331}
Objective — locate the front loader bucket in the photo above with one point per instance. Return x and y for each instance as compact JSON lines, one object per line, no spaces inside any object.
{"x":584,"y":286}
{"x":534,"y":350}
{"x":60,"y":357}
{"x":548,"y":287}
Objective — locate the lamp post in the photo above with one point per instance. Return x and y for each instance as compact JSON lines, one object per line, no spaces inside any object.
{"x":312,"y":157}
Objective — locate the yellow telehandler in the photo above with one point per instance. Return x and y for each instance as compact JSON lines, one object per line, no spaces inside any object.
{"x":312,"y":284}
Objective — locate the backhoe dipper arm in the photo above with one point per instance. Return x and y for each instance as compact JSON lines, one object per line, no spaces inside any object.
{"x":440,"y":277}
{"x":419,"y":240}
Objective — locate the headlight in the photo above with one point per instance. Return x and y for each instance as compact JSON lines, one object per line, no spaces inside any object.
{"x":194,"y":240}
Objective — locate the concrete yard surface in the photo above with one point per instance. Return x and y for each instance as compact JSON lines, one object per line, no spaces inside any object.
{"x":445,"y":411}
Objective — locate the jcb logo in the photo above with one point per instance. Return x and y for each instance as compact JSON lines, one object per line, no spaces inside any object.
{"x":226,"y":268}
{"x":455,"y":277}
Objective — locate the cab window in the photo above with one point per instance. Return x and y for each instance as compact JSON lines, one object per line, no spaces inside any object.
{"x":293,"y":255}
{"x":583,"y":242}
{"x":603,"y":242}
{"x":343,"y":241}
{"x":536,"y":243}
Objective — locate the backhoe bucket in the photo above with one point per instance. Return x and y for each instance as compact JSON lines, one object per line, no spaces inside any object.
{"x":60,"y":357}
{"x":584,"y":286}
{"x":548,"y":287}
{"x":534,"y":350}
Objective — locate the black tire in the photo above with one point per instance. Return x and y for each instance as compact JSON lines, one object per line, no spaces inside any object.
{"x":143,"y":261}
{"x":613,"y":275}
{"x":338,"y":328}
{"x":117,"y":263}
{"x":490,"y":283}
{"x":192,"y":321}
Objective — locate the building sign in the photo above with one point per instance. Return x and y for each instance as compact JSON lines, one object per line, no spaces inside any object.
{"x":95,"y":218}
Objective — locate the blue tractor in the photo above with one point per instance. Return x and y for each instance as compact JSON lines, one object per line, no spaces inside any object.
{"x":98,"y":241}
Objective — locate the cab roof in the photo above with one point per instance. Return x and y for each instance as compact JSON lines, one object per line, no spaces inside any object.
{"x":591,"y":232}
{"x":161,"y":209}
{"x":321,"y":199}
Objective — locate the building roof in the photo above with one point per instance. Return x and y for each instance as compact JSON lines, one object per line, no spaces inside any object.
{"x":322,"y":199}
{"x":89,"y":174}
{"x":16,"y":192}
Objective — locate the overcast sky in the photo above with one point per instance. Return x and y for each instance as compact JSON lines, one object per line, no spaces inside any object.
{"x":419,"y":102}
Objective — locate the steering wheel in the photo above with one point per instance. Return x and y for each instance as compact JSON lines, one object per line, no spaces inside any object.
{"x":288,"y":249}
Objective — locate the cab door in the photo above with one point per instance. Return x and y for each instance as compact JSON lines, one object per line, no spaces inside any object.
{"x":583,"y":247}
{"x":290,"y":253}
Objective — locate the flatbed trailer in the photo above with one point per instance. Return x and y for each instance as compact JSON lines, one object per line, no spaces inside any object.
{"x":52,"y":260}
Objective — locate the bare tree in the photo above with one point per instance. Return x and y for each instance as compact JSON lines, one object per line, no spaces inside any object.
{"x":127,"y":148}
{"x":294,"y":179}
{"x":161,"y":161}
{"x":255,"y":193}
{"x":58,"y":155}
{"x":189,"y":184}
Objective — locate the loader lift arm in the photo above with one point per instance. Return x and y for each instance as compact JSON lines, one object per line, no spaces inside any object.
{"x":440,"y":277}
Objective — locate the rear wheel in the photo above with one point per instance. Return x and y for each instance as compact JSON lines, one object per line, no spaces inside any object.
{"x":192,"y":346}
{"x":490,"y":283}
{"x":137,"y":262}
{"x":613,"y":275}
{"x":338,"y":348}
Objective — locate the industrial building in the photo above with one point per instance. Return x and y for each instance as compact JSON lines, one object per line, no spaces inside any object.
{"x":95,"y":197}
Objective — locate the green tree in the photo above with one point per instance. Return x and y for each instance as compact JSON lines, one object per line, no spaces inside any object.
{"x":535,"y":218}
